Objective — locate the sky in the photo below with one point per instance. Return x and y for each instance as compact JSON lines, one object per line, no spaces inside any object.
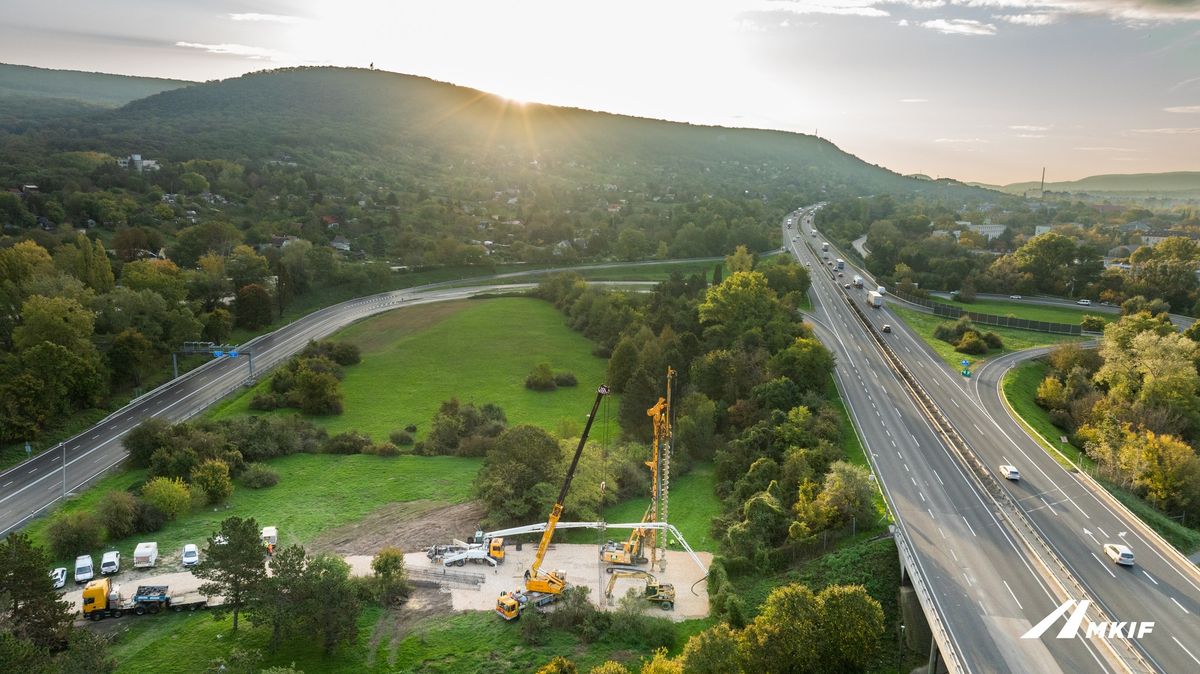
{"x":979,"y":90}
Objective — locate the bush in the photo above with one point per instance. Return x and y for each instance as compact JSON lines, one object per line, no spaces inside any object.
{"x":346,"y":354}
{"x":258,"y":476}
{"x":170,"y":496}
{"x":149,"y":518}
{"x":401,"y":438}
{"x":350,"y":442}
{"x":565,"y":379}
{"x":1092,"y":323}
{"x":945,"y":332}
{"x":212,"y":478}
{"x":265,"y":402}
{"x":972,"y":345}
{"x":411,"y":428}
{"x":118,"y":512}
{"x":993,"y":340}
{"x":541,"y":379}
{"x":74,"y":534}
{"x":534,"y":628}
{"x":382,"y":449}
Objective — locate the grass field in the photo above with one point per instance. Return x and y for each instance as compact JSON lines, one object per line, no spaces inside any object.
{"x":315,"y":492}
{"x":477,"y":350}
{"x":1026,"y":310}
{"x":1020,"y":389}
{"x":1014,"y":340}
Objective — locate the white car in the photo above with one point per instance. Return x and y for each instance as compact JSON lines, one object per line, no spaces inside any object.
{"x":1015,"y":297}
{"x":1084,"y":303}
{"x":1010,"y":472}
{"x":83,"y":569}
{"x":110,"y":563}
{"x":191,"y":554}
{"x":59,"y":577}
{"x":1119,"y":553}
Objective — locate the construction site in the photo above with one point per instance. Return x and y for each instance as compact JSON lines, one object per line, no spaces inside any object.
{"x":516,"y":569}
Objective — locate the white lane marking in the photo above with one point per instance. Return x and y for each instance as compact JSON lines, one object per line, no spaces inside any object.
{"x":955,"y":402}
{"x":922,"y":495}
{"x":8,"y":483}
{"x":943,"y":533}
{"x":887,"y":432}
{"x":1150,"y":577}
{"x":977,"y":428}
{"x":1105,"y":533}
{"x":1185,"y":650}
{"x":1014,"y":594}
{"x":930,"y":514}
{"x":954,"y":554}
{"x":906,"y":468}
{"x":966,"y":578}
{"x":894,"y":443}
{"x":1104,"y":565}
{"x":1048,"y":507}
{"x":914,"y":480}
{"x":969,"y":527}
{"x":898,"y":456}
{"x":939,"y":477}
{"x":33,"y":471}
{"x":1180,"y":605}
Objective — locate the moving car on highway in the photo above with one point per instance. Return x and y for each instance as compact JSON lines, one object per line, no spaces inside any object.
{"x":1119,"y":553}
{"x":1010,"y":472}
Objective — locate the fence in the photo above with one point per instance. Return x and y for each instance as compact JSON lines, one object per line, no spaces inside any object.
{"x":950,"y":311}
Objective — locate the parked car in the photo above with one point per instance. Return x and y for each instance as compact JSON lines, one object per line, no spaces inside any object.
{"x":1119,"y":553}
{"x":887,"y":327}
{"x":1085,"y":303}
{"x":59,"y":577}
{"x":83,"y":569}
{"x":110,"y":563}
{"x":1015,"y":297}
{"x":191,"y":554}
{"x":1010,"y":472}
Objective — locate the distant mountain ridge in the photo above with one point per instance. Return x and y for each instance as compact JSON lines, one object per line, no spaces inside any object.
{"x":1145,"y":183}
{"x":100,"y":89}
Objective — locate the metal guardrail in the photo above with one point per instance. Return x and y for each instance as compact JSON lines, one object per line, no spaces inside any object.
{"x":1129,"y":655}
{"x":950,"y":311}
{"x":443,"y":578}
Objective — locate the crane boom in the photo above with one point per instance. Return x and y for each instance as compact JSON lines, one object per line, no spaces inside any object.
{"x":552,"y":582}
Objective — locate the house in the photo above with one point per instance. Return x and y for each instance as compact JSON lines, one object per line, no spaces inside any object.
{"x":330,"y":222}
{"x":1157,"y":236}
{"x":137,"y":163}
{"x":341,"y":243}
{"x":1135,"y":226}
{"x":988,"y":230}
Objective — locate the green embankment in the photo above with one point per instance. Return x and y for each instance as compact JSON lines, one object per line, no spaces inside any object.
{"x":478,"y":351}
{"x":1029,"y":311}
{"x":1014,"y":340}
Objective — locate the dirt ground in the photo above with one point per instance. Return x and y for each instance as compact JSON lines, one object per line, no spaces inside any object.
{"x":410,"y":526}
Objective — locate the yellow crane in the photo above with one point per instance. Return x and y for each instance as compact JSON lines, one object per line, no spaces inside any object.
{"x":544,"y":588}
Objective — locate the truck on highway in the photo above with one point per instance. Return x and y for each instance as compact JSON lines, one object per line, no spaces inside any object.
{"x":102,"y":599}
{"x":825,"y":247}
{"x":874,"y":299}
{"x":813,"y":232}
{"x":858,"y":281}
{"x":840,"y":264}
{"x":145,"y":555}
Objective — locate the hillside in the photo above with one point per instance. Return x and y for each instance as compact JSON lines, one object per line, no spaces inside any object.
{"x":99,"y":89}
{"x":1177,"y":182}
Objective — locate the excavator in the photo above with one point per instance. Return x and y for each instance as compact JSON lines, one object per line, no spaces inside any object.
{"x":544,"y":588}
{"x":655,"y":592}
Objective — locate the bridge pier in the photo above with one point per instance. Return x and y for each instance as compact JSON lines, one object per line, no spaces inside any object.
{"x":917,"y":631}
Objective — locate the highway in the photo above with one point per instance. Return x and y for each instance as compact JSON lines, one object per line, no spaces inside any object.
{"x":987,"y":592}
{"x":1071,"y":514}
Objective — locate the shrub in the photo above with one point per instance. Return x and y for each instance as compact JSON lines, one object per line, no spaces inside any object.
{"x":541,"y":379}
{"x":74,"y":533}
{"x":144,"y":440}
{"x":118,"y":512}
{"x":475,"y":445}
{"x":401,"y":438}
{"x":382,"y":449}
{"x":170,"y":496}
{"x":534,"y":628}
{"x":945,"y":332}
{"x":149,"y":517}
{"x":346,"y":354}
{"x":258,"y":476}
{"x":565,"y":379}
{"x":1092,"y":323}
{"x":350,"y":442}
{"x":212,"y":478}
{"x":390,"y":576}
{"x":265,"y":402}
{"x":993,"y":340}
{"x":972,"y":345}
{"x":411,"y":428}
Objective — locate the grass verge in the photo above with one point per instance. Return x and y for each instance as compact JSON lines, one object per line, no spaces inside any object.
{"x":1028,"y":311}
{"x":1014,"y":340}
{"x":479,"y":351}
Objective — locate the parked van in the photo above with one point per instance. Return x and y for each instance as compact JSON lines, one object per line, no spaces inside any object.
{"x":110,"y":563}
{"x":83,"y":569}
{"x":145,"y":555}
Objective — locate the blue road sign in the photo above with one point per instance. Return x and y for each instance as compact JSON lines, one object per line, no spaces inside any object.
{"x":966,"y":373}
{"x":964,"y":362}
{"x":233,"y":354}
{"x":218,"y":354}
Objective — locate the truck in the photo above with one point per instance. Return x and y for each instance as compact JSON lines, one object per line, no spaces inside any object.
{"x":145,"y":555}
{"x":813,"y":232}
{"x":102,"y":599}
{"x":825,"y":247}
{"x":874,"y":299}
{"x":858,"y":281}
{"x":477,"y":549}
{"x":840,"y":264}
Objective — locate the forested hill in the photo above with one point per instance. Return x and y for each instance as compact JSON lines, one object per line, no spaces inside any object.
{"x":1176,"y":182}
{"x":93,"y":88}
{"x":375,"y":115}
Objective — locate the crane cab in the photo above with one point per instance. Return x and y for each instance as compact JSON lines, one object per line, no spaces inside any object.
{"x":508,"y":607}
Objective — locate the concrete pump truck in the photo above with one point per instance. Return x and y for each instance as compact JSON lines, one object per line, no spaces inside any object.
{"x":545,"y":588}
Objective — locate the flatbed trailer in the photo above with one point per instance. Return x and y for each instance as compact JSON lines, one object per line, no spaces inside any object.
{"x":102,"y":599}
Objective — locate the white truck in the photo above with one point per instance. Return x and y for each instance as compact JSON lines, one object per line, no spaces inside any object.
{"x":858,"y":281}
{"x":825,"y":247}
{"x":813,"y":232}
{"x":874,"y":299}
{"x":145,"y":555}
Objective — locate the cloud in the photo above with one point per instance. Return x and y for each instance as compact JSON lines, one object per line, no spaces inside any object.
{"x":1031,"y":135}
{"x":1170,"y":131}
{"x":272,"y":18}
{"x":1105,"y":148}
{"x":1184,"y":109}
{"x":1028,"y":127}
{"x":256,"y":53}
{"x":914,"y":100}
{"x":902,"y":22}
{"x":1027,"y":19}
{"x":1128,"y":11}
{"x":960,"y":27}
{"x":960,"y":140}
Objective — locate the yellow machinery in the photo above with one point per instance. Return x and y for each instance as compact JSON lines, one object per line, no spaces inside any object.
{"x":662,"y":594}
{"x":631,"y":551}
{"x":660,"y":469}
{"x":543,"y":588}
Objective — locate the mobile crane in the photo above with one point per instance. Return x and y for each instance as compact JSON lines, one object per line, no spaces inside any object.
{"x":542,"y":589}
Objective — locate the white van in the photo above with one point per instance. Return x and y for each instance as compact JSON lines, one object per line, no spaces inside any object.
{"x":145,"y":555}
{"x":110,"y":563}
{"x":83,"y":569}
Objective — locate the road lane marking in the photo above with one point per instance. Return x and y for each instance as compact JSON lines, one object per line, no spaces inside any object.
{"x":1105,"y":533}
{"x":954,"y":554}
{"x":906,"y":468}
{"x":930,"y":513}
{"x":969,"y":527}
{"x":898,"y":456}
{"x":966,"y":578}
{"x":1104,"y":565}
{"x":977,"y":428}
{"x":1180,"y":605}
{"x":1150,"y":577}
{"x":914,"y":480}
{"x":1048,"y":507}
{"x":1014,"y":594}
{"x":1185,"y":650}
{"x":8,"y":483}
{"x":955,"y":403}
{"x":939,"y":477}
{"x":943,"y":533}
{"x":922,"y":495}
{"x":33,"y":471}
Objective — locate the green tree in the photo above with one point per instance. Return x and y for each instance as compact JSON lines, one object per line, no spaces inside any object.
{"x":218,"y":325}
{"x":118,"y":511}
{"x":713,"y":651}
{"x":212,"y":478}
{"x":388,"y":567}
{"x":30,"y":608}
{"x":253,"y":307}
{"x":741,"y":260}
{"x":131,"y":356}
{"x":331,"y":605}
{"x":785,"y":637}
{"x":160,"y":276}
{"x":279,"y":600}
{"x":193,"y":183}
{"x":806,"y":362}
{"x":622,"y":364}
{"x":609,"y":667}
{"x":1161,"y":467}
{"x":662,"y":664}
{"x":87,"y":261}
{"x":852,"y":623}
{"x":318,"y":393}
{"x":516,"y":481}
{"x":848,"y":494}
{"x":741,"y":303}
{"x":233,"y":566}
{"x":244,"y":266}
{"x":169,"y":495}
{"x":76,"y":533}
{"x":57,"y":320}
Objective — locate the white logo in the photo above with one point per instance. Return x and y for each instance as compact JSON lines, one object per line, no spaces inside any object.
{"x":1103,"y":630}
